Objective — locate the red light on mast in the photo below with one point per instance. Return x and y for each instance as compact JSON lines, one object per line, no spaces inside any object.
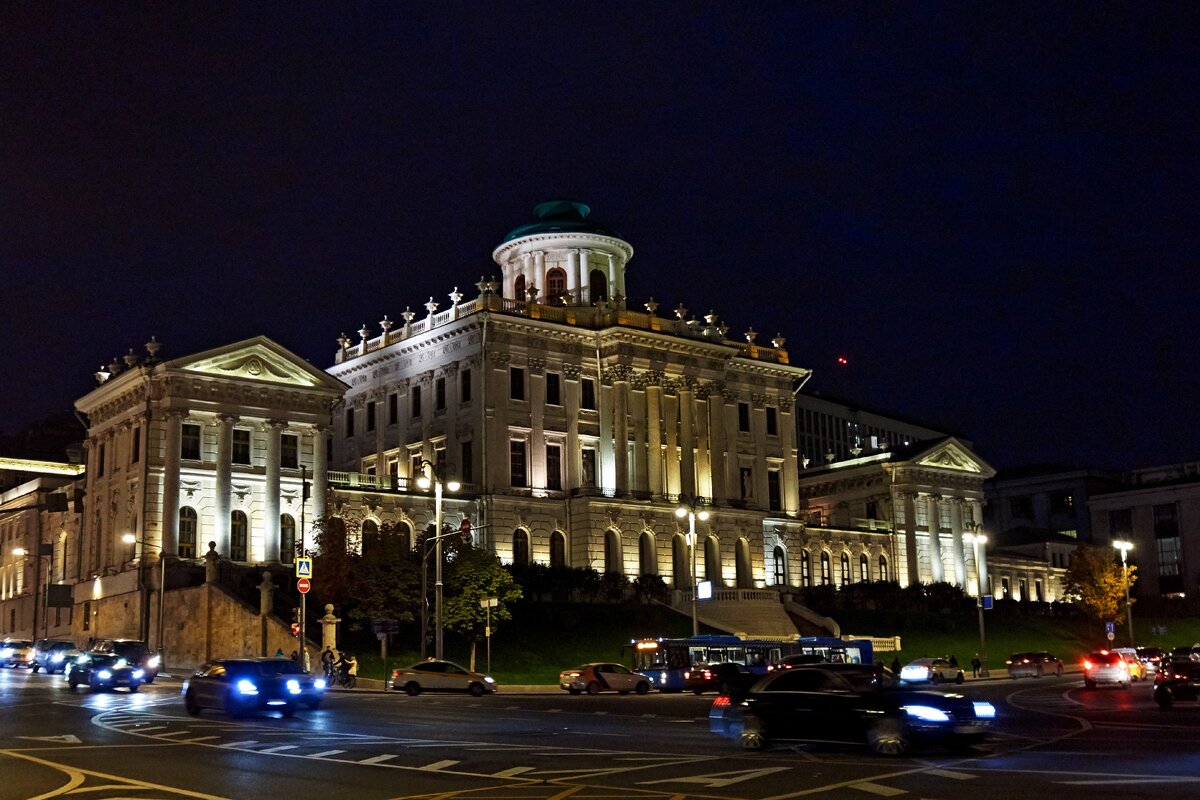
{"x":843,"y":360}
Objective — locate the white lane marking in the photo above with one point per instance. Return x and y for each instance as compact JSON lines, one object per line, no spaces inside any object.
{"x":279,"y":748}
{"x":198,"y":739}
{"x":1112,"y":781}
{"x":245,"y":743}
{"x":718,"y":780}
{"x":600,"y":713}
{"x":66,"y":738}
{"x":875,"y":788}
{"x":183,"y":732}
{"x":326,"y":753}
{"x":435,"y":766}
{"x":511,"y":772}
{"x":378,"y":759}
{"x":957,"y":776}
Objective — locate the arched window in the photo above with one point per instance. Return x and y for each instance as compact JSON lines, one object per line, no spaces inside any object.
{"x":371,"y":542}
{"x":743,"y":570}
{"x":883,"y":568}
{"x":287,"y":538}
{"x":188,"y":531}
{"x":556,"y":285}
{"x":612,"y":553}
{"x":681,"y":563}
{"x":597,"y":286}
{"x":826,"y":570}
{"x":520,"y":546}
{"x":780,"y":559}
{"x":712,"y":561}
{"x":239,"y":535}
{"x":558,"y":549}
{"x":864,"y":568}
{"x":647,"y":557}
{"x":404,"y":535}
{"x":519,"y":288}
{"x":806,"y":569}
{"x":845,"y":569}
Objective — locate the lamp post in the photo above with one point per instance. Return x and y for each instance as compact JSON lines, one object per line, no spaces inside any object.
{"x":978,"y":541}
{"x":687,"y":508}
{"x":430,"y":476}
{"x":129,"y":538}
{"x":1125,"y":546}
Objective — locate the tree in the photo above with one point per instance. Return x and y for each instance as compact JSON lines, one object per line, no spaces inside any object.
{"x":386,"y":578}
{"x":1097,"y":584}
{"x":471,"y":575}
{"x":333,"y":563}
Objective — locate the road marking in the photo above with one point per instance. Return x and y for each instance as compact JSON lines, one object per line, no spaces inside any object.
{"x":718,"y":780}
{"x":378,"y":759}
{"x":64,"y":739}
{"x":945,"y":773}
{"x":1112,"y":781}
{"x":511,"y":772}
{"x":246,"y":743}
{"x":198,"y":739}
{"x":875,"y":788}
{"x":279,"y":748}
{"x":435,"y":766}
{"x":326,"y":753}
{"x":183,"y":732}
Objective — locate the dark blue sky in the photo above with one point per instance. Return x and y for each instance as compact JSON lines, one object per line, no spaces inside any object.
{"x":990,"y":209}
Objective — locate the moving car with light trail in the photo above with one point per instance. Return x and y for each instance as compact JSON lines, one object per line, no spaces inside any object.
{"x":53,"y":655}
{"x":931,"y":670}
{"x":100,"y":671}
{"x":241,"y":685}
{"x":16,"y":653}
{"x":1033,"y":665}
{"x":441,"y":676}
{"x":603,"y":676}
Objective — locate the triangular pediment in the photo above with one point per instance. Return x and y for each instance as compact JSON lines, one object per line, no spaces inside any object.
{"x":951,"y":454}
{"x":258,"y":359}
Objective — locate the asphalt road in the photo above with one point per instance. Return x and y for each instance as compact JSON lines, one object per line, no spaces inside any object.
{"x":1053,"y":739}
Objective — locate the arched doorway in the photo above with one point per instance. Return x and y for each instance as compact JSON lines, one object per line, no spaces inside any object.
{"x":520,"y":546}
{"x":681,"y":565}
{"x":745,"y":573}
{"x":558,"y":549}
{"x":556,"y":286}
{"x":597,"y":286}
{"x":519,"y":288}
{"x":612,"y":552}
{"x":647,"y":557}
{"x":779,"y":565}
{"x":712,"y":561}
{"x":371,"y":543}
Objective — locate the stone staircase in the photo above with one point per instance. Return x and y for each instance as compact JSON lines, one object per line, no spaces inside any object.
{"x":754,"y":613}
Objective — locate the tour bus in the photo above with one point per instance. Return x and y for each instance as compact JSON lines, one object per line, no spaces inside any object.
{"x":665,"y":661}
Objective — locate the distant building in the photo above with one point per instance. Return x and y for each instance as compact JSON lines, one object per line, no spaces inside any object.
{"x":834,"y":430}
{"x":1044,"y":503}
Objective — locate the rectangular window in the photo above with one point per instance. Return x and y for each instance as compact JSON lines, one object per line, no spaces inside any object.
{"x":774,"y":491}
{"x":587,"y":394}
{"x":553,"y":467}
{"x":369,"y":469}
{"x":100,"y":454}
{"x":516,"y":463}
{"x":439,"y":394}
{"x":1120,"y":523}
{"x":464,"y":386}
{"x":370,"y":416}
{"x":1041,"y":591}
{"x":553,"y":389}
{"x":744,"y":417}
{"x":1062,"y":503}
{"x":439,"y":461}
{"x":87,"y":615}
{"x":1020,"y":507}
{"x":241,"y":447}
{"x":414,"y":465}
{"x":349,"y":423}
{"x":516,"y":383}
{"x":415,"y":401}
{"x":588,"y":478}
{"x":289,"y":451}
{"x":772,"y":422}
{"x":393,"y":402}
{"x":466,"y":463}
{"x":189,"y":442}
{"x":136,"y":448}
{"x":393,"y":466}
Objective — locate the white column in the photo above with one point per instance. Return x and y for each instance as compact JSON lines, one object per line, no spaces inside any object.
{"x":654,"y":439}
{"x":271,"y":491}
{"x":224,"y":503}
{"x":170,"y":507}
{"x":639,"y":479}
{"x":320,"y":477}
{"x":687,"y":441}
{"x":581,"y":263}
{"x":671,"y":425}
{"x":956,"y":532}
{"x":621,"y":429}
{"x":579,"y":295}
{"x":910,"y":537}
{"x":933,"y":518}
{"x":539,"y":271}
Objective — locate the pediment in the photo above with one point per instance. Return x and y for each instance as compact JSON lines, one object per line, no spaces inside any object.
{"x":950,"y":455}
{"x":257,"y":359}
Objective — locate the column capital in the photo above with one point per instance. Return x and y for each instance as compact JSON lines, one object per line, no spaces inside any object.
{"x":275,"y":424}
{"x":176,"y":414}
{"x":227,"y":420}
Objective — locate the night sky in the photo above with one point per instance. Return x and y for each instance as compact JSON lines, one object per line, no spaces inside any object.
{"x":990,"y":210}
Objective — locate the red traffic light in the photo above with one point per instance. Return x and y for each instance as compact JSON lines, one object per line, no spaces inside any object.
{"x":464,"y":527}
{"x":295,"y":629}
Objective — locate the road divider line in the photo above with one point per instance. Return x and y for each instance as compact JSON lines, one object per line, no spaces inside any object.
{"x":435,"y":766}
{"x":879,"y":789}
{"x":378,"y":759}
{"x":245,"y":743}
{"x":279,"y":748}
{"x":511,"y":772}
{"x":326,"y":753}
{"x":957,"y":776}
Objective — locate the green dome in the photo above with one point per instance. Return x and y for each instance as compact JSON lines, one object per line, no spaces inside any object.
{"x":561,"y":216}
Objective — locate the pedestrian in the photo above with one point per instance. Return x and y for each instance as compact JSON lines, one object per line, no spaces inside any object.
{"x":327,"y":660}
{"x":975,"y":666}
{"x":279,"y":653}
{"x":896,"y":665}
{"x":296,"y":656}
{"x":953,"y":661}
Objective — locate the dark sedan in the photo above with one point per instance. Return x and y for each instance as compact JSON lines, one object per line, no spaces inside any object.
{"x":240,"y":685}
{"x":724,"y":678}
{"x":1176,"y":681}
{"x":848,"y":705}
{"x":103,"y":671}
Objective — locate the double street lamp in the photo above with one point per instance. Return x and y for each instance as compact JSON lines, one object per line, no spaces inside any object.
{"x":978,"y":541}
{"x":144,"y":626}
{"x":1125,"y":546}
{"x":431,"y":477}
{"x":687,"y":508}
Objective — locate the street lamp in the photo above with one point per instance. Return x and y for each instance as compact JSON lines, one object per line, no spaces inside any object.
{"x":129,"y":538}
{"x":1125,"y":547}
{"x":430,"y":476}
{"x":687,"y":508}
{"x":978,"y":541}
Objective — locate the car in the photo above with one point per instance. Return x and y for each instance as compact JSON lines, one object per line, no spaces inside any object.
{"x":1033,"y":665}
{"x":441,"y":676}
{"x":848,"y":705}
{"x":1137,"y":670}
{"x":603,"y":676}
{"x":1105,"y":666}
{"x":723,"y":678}
{"x":931,"y":670}
{"x":798,"y":660}
{"x":1175,"y":682}
{"x":134,"y":651}
{"x":238,"y":686}
{"x":100,"y":671}
{"x":1151,"y":657}
{"x":16,"y":653}
{"x":53,"y":655}
{"x":1187,"y":652}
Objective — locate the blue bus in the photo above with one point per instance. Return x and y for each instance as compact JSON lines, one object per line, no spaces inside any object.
{"x":665,"y":661}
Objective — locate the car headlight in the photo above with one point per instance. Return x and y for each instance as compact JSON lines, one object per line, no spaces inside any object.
{"x":488,"y":679}
{"x":6,"y":652}
{"x":927,"y":713}
{"x":138,"y":674}
{"x":984,"y":709}
{"x":246,"y":686}
{"x":319,"y":683}
{"x":56,"y":657}
{"x":293,"y":686}
{"x":152,"y":662}
{"x":104,"y":675}
{"x":122,"y":662}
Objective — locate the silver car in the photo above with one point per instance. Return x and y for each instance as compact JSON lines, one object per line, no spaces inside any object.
{"x":1033,"y":665}
{"x":1105,"y":666}
{"x":931,"y":670}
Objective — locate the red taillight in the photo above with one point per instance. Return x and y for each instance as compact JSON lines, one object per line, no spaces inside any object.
{"x":687,"y":676}
{"x":721,"y":701}
{"x":1009,"y":662}
{"x":1087,"y":665}
{"x":1024,"y":660}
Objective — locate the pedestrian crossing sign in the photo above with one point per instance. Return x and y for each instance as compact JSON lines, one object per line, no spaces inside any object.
{"x":303,"y":567}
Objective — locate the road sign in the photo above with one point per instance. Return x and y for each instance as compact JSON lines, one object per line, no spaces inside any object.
{"x":304,"y":568}
{"x":988,"y":602}
{"x":303,"y":585}
{"x":1111,"y":635}
{"x":1110,"y":626}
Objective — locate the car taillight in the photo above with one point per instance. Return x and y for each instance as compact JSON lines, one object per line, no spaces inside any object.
{"x":1087,"y":665}
{"x":721,"y":701}
{"x":1008,"y":661}
{"x":1024,"y":660}
{"x":687,"y":676}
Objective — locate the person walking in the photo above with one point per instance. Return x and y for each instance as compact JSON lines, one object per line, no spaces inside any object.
{"x":896,"y":666}
{"x":975,"y":665}
{"x":327,"y":660}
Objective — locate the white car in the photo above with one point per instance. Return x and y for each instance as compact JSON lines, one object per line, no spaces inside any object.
{"x":931,"y":670}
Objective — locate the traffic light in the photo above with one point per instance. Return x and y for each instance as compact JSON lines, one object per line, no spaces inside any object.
{"x":464,"y":529}
{"x":295,"y":622}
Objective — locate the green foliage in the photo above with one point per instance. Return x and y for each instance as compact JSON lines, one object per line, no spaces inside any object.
{"x":387,"y":578}
{"x":333,"y":564}
{"x":473,"y":575}
{"x":1097,"y":583}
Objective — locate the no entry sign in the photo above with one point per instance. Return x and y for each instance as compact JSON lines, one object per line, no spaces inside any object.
{"x":303,"y":585}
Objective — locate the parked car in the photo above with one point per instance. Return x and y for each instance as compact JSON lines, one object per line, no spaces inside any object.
{"x":103,"y":671}
{"x":723,"y":678}
{"x":603,"y":676}
{"x":1105,"y":666}
{"x":818,"y":703}
{"x":52,"y":655}
{"x":16,"y":653}
{"x":1033,"y":665}
{"x":441,"y":676}
{"x":1174,"y":682}
{"x":240,"y":685}
{"x":134,"y":651}
{"x":1152,"y":657}
{"x":931,"y":670}
{"x":1137,"y":670}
